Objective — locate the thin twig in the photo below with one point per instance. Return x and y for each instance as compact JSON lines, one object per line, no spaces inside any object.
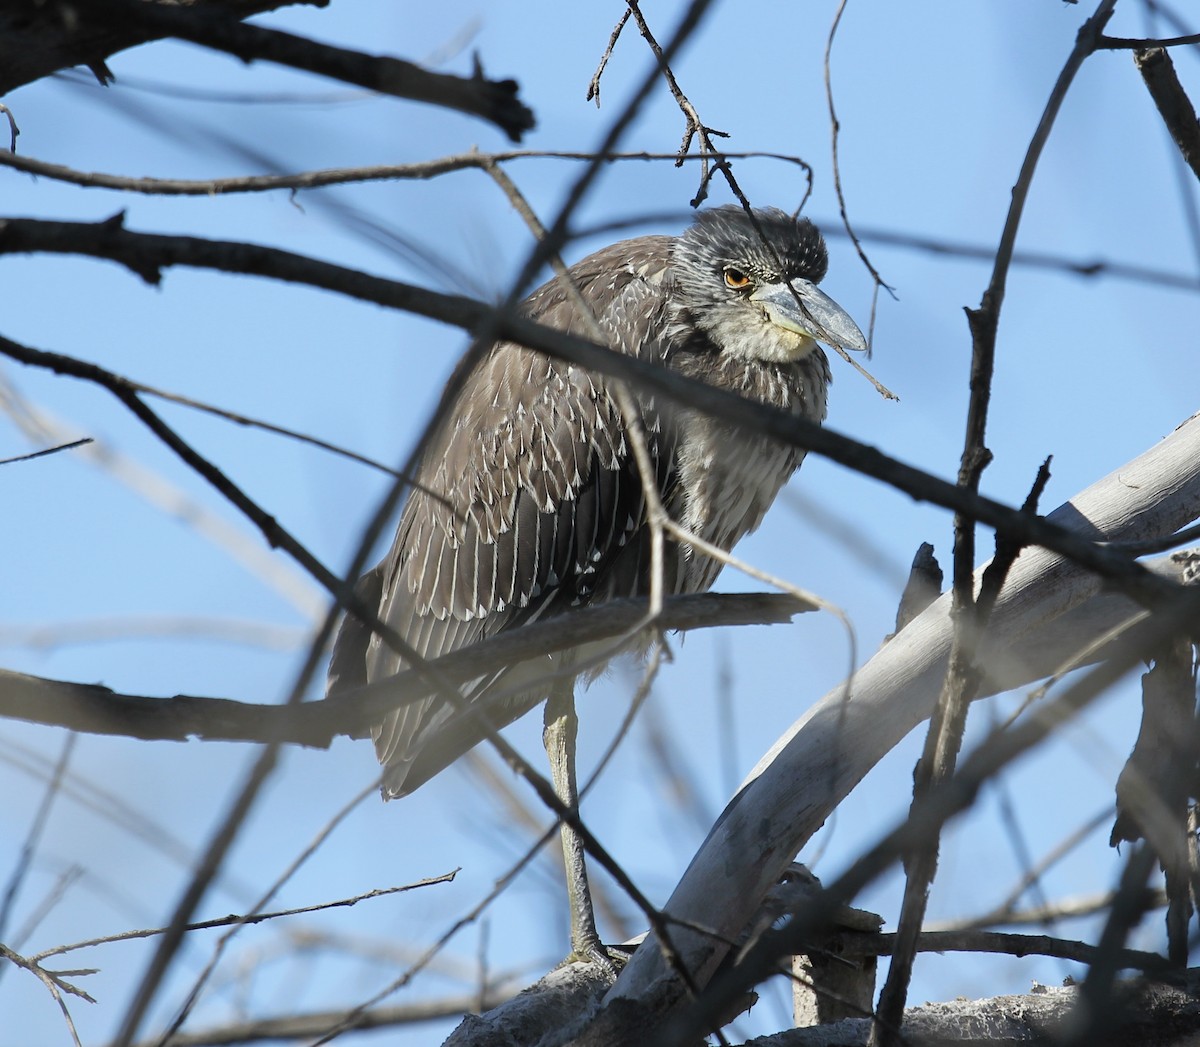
{"x":593,"y":91}
{"x":33,"y":835}
{"x":250,"y":918}
{"x":945,"y":730}
{"x":82,"y":441}
{"x":55,"y":983}
{"x":322,"y":835}
{"x":1052,"y":912}
{"x":834,"y":132}
{"x":1033,"y":874}
{"x":269,"y":427}
{"x":336,"y":176}
{"x":695,"y":126}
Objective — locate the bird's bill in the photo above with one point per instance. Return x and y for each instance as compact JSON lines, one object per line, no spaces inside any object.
{"x":805,"y":309}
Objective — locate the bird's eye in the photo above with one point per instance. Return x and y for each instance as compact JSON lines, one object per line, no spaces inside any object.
{"x":736,"y":280}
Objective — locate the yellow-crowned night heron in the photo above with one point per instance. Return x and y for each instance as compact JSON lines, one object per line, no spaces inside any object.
{"x":528,"y":501}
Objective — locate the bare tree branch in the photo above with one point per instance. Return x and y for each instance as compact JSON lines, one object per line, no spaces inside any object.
{"x":304,"y":1026}
{"x":962,"y":673}
{"x":97,"y":710}
{"x":943,"y":740}
{"x":996,"y":942}
{"x":37,"y":40}
{"x":815,"y":765}
{"x":1174,"y":106}
{"x":214,"y":27}
{"x":146,"y":254}
{"x":1152,"y":1015}
{"x":70,"y":446}
{"x":251,"y":918}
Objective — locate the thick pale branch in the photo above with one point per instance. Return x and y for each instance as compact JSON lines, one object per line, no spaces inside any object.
{"x":815,"y":765}
{"x":565,"y":995}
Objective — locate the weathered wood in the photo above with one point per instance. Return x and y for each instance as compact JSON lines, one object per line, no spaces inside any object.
{"x":1155,"y":1015}
{"x":826,"y":753}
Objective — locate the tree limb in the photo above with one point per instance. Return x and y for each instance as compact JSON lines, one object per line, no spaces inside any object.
{"x":827,"y":752}
{"x":147,"y":254}
{"x":98,"y":710}
{"x":94,"y":32}
{"x":39,"y":39}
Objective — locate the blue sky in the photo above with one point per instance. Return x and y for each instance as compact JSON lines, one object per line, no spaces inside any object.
{"x":937,"y":104}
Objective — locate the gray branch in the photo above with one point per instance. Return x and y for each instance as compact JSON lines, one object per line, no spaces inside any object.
{"x":98,"y":710}
{"x":828,"y":751}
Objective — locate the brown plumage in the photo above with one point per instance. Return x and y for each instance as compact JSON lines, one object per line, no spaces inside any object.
{"x":528,"y":501}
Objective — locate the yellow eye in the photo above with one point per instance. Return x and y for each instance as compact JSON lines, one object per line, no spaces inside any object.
{"x":736,"y":280}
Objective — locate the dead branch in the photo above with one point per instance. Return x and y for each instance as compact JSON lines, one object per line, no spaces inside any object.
{"x":37,"y":40}
{"x":97,"y":710}
{"x":856,"y":944}
{"x":110,"y":25}
{"x":557,"y":1001}
{"x":425,"y":169}
{"x":1152,"y":1015}
{"x":970,"y":616}
{"x":245,"y":919}
{"x":812,"y":768}
{"x":305,"y":1026}
{"x":146,"y":254}
{"x":560,"y":1000}
{"x":1174,"y":106}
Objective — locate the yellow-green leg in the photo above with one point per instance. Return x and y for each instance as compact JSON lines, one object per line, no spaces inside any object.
{"x":558,"y":735}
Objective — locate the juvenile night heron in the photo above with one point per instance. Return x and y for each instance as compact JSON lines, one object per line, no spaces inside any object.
{"x":528,"y":501}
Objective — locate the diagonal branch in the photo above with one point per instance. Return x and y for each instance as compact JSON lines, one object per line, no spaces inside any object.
{"x":959,"y":685}
{"x":811,"y":769}
{"x":1174,"y":106}
{"x":147,"y":254}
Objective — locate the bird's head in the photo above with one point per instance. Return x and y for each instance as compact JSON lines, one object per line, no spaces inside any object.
{"x":754,"y":292}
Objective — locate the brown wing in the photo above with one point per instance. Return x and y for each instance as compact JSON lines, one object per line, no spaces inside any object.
{"x":534,"y":505}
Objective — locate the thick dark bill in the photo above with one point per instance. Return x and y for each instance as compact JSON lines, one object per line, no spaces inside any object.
{"x":810,"y":311}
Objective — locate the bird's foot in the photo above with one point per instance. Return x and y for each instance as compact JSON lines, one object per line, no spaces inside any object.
{"x":594,"y":951}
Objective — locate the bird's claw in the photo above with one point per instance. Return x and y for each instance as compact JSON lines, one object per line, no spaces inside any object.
{"x":610,"y":961}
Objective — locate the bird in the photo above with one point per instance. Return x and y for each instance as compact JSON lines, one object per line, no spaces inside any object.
{"x":528,"y":502}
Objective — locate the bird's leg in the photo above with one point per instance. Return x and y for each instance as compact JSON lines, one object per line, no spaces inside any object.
{"x":558,"y":735}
